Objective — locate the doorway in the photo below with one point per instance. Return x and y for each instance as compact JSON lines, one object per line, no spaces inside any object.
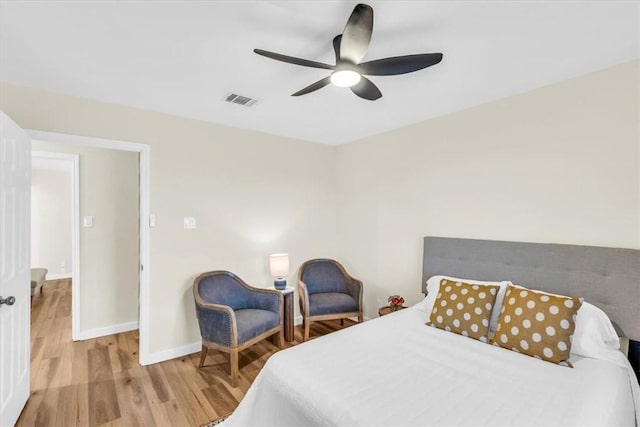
{"x":85,"y":219}
{"x":50,"y":228}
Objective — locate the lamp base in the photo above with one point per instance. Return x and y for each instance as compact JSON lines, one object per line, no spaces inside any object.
{"x":280,"y":284}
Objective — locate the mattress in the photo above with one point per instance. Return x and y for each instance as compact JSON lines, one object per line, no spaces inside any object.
{"x":394,"y":371}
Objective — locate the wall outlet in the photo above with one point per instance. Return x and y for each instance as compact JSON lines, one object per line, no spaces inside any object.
{"x":63,"y":267}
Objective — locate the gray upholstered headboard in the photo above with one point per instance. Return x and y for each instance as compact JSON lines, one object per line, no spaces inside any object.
{"x":606,"y":277}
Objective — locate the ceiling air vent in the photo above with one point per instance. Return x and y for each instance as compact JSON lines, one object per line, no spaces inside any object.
{"x":239,"y":99}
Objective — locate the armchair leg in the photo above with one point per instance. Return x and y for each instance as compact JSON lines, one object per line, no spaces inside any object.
{"x":234,"y":367}
{"x":360,"y":318}
{"x":341,"y":322}
{"x":281,"y":339}
{"x":305,"y":335}
{"x":203,"y":356}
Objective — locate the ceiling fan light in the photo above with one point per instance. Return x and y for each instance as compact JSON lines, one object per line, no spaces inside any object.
{"x":345,"y":78}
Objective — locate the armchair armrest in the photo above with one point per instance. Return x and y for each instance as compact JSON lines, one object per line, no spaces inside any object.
{"x":304,"y":297}
{"x":266,"y":299}
{"x":354,"y":286}
{"x":217,"y":322}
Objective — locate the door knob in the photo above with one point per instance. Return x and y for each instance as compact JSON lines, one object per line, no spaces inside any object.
{"x":8,"y":300}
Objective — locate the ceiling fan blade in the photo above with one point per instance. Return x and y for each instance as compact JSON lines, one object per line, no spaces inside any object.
{"x":313,"y":87}
{"x":357,"y":34}
{"x":336,"y":47}
{"x":366,"y":89}
{"x":293,"y":60}
{"x":399,"y":64}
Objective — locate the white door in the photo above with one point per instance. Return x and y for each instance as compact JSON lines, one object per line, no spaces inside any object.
{"x":15,"y":270}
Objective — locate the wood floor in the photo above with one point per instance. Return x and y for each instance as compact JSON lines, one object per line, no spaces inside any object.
{"x":99,"y":381}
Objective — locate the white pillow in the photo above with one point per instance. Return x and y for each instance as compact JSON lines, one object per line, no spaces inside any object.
{"x":594,"y":333}
{"x":433,"y":286}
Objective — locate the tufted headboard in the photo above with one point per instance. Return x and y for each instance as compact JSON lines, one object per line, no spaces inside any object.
{"x":606,"y":277}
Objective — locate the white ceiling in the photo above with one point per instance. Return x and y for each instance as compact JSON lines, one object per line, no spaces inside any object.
{"x":182,"y":58}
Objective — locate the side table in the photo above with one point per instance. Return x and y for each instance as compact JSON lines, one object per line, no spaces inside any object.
{"x":287,"y":293}
{"x":386,"y":310}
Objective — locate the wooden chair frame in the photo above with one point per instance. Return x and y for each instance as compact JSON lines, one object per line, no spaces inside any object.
{"x":234,"y":348}
{"x":304,"y":298}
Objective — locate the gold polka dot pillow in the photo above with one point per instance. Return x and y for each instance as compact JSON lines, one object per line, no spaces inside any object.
{"x":464,"y":308}
{"x":537,"y":324}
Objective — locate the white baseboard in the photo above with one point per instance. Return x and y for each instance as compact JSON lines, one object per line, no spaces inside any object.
{"x":59,"y":276}
{"x":108,"y":330}
{"x":298,"y":320}
{"x":172,"y":353}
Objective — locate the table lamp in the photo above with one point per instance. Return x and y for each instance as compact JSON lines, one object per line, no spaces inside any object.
{"x":279,"y":266}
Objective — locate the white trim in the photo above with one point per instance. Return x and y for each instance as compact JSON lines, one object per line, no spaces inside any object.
{"x":87,"y":141}
{"x":59,"y":276}
{"x":74,"y":170}
{"x":108,"y":330}
{"x":144,"y":315}
{"x":75,"y":249}
{"x":144,"y":165}
{"x":298,"y":319}
{"x":172,"y":353}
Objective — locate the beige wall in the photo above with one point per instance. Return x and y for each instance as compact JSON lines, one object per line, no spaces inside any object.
{"x":109,"y":249}
{"x":252,"y":194}
{"x":51,"y":221}
{"x":559,"y":164}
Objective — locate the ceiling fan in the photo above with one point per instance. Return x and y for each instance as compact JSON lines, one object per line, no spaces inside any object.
{"x":350,"y":48}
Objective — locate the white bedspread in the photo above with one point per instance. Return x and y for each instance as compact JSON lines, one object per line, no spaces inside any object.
{"x":395,"y":371}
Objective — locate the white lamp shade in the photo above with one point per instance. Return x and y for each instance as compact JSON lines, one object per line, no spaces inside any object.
{"x":279,"y":265}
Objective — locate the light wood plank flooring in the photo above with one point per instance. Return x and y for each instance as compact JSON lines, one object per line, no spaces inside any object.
{"x":99,"y":381}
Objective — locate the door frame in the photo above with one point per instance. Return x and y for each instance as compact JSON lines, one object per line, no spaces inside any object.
{"x":73,"y":163}
{"x":144,"y":151}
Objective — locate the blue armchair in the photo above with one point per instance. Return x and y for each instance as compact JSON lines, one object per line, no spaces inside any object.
{"x":327,"y":292}
{"x":234,"y":315}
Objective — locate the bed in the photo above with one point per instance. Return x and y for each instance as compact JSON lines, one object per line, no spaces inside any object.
{"x":394,"y":370}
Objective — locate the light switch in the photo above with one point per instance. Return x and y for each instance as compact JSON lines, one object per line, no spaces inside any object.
{"x":152,"y":220}
{"x":189,"y":222}
{"x":87,"y":221}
